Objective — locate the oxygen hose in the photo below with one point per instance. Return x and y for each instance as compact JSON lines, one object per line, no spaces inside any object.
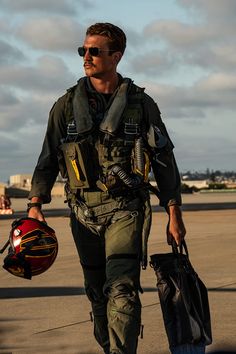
{"x":132,"y":181}
{"x":139,"y":156}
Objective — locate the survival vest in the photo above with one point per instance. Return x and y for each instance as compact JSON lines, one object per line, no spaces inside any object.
{"x":109,"y":154}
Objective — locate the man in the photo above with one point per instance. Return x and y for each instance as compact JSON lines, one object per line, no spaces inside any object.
{"x":102,"y":136}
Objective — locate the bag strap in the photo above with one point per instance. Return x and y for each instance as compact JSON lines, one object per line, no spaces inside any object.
{"x":182,"y":248}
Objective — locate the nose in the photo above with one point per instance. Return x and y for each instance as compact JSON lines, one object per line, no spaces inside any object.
{"x":87,"y":56}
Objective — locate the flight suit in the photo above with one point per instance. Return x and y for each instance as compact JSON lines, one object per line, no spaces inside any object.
{"x":91,"y":139}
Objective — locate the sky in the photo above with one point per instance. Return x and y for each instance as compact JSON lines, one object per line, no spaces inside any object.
{"x":182,"y":51}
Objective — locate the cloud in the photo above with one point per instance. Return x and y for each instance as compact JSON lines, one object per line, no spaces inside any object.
{"x":10,"y":54}
{"x":52,"y":33}
{"x":195,"y":150}
{"x":49,"y":74}
{"x":208,"y":42}
{"x":24,"y":112}
{"x":65,"y":7}
{"x":214,"y":11}
{"x":177,"y":34}
{"x":7,"y":98}
{"x":22,"y":128}
{"x":216,"y":57}
{"x":176,"y":101}
{"x":5,"y":27}
{"x":28,"y":92}
{"x":20,"y":154}
{"x":216,"y":92}
{"x":203,"y":50}
{"x":201,"y":45}
{"x":220,"y":84}
{"x":153,"y":63}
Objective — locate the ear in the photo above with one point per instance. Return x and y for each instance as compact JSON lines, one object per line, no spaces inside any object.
{"x":117,"y":57}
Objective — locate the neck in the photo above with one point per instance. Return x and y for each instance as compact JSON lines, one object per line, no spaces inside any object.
{"x":105,"y":85}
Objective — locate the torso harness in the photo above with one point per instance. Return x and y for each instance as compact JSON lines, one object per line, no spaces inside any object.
{"x":110,"y":155}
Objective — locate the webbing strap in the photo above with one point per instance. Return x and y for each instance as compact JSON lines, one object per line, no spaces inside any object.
{"x":102,"y":209}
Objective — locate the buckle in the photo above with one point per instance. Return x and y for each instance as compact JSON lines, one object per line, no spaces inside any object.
{"x":132,"y":128}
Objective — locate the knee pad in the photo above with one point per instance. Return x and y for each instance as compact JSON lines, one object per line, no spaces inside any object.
{"x":121,"y":289}
{"x":124,"y":298}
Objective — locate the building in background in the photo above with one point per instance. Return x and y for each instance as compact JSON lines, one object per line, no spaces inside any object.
{"x":2,"y":188}
{"x":20,"y":185}
{"x":21,"y":181}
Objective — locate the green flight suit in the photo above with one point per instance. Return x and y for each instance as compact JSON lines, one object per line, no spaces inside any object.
{"x":108,"y":227}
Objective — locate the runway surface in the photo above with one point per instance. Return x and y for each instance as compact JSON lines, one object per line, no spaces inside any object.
{"x":50,"y":313}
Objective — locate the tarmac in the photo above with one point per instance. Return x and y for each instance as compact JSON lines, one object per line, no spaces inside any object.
{"x":51,"y":313}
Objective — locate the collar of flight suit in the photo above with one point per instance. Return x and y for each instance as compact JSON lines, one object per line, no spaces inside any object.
{"x":113,"y":114}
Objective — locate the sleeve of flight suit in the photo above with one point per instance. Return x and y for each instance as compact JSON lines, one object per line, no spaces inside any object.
{"x":47,"y":168}
{"x":166,"y":172}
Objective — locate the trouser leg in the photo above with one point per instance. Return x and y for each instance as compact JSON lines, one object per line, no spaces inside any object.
{"x":124,"y":314}
{"x":123,"y":247}
{"x":94,"y":291}
{"x":91,"y":250}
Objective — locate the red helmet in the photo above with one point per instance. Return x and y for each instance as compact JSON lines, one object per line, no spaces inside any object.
{"x":33,"y":248}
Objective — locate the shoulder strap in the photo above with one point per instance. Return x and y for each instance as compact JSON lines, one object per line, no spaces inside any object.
{"x":112,"y":117}
{"x":81,"y":110}
{"x":77,"y":108}
{"x":127,"y":95}
{"x":69,"y":114}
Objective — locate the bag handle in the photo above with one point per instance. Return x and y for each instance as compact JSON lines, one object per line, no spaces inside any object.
{"x":182,"y":247}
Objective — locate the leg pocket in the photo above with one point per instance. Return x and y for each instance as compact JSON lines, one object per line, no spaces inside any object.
{"x":124,"y":234}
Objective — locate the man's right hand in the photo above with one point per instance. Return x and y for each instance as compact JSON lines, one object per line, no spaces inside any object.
{"x":36,"y":213}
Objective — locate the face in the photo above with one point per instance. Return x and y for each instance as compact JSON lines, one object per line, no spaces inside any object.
{"x":101,"y":66}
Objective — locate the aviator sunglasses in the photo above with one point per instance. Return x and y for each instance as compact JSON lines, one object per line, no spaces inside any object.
{"x":93,"y":51}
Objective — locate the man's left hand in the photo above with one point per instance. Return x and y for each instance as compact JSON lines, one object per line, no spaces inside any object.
{"x":176,"y":229}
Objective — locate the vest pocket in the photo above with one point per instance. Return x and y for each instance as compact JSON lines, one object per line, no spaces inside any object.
{"x":80,"y":164}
